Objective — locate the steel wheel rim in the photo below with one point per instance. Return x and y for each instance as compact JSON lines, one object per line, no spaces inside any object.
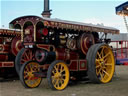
{"x":29,"y":78}
{"x":60,"y":76}
{"x":105,"y":64}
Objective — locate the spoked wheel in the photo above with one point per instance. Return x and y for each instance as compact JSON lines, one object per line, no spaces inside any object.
{"x":23,"y":56}
{"x":101,"y":63}
{"x":27,"y":77}
{"x":58,"y":75}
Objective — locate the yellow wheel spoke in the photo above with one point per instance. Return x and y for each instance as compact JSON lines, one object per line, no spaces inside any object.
{"x":61,"y":82}
{"x":108,"y":64}
{"x":97,"y":66}
{"x":31,"y":69}
{"x":63,"y":79}
{"x":104,"y":67}
{"x":98,"y":71}
{"x":61,"y":69}
{"x":56,"y":83}
{"x":25,"y":76}
{"x":105,"y":60}
{"x":63,"y":75}
{"x":29,"y":78}
{"x":56,"y":69}
{"x":106,"y":72}
{"x":27,"y":81}
{"x":27,"y":69}
{"x":97,"y":60}
{"x":53,"y":79}
{"x":107,"y":55}
{"x":101,"y":75}
{"x":99,"y":55}
{"x":53,"y":71}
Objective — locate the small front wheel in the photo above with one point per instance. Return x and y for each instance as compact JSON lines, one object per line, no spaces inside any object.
{"x":27,"y":77}
{"x":58,"y":75}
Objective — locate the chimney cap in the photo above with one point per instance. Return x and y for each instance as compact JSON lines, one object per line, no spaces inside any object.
{"x":46,"y":13}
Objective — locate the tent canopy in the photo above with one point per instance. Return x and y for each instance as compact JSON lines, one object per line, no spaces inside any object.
{"x":122,"y":9}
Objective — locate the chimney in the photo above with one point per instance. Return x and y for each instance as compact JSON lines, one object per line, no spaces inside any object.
{"x":46,"y":12}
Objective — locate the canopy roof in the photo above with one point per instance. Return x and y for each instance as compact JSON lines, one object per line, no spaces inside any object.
{"x":122,"y":9}
{"x":64,"y":24}
{"x":9,"y":32}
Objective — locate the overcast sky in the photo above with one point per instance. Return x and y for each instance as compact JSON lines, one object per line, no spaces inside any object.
{"x":88,"y":11}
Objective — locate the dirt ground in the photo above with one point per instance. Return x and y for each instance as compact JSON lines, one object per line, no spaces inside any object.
{"x":118,"y":87}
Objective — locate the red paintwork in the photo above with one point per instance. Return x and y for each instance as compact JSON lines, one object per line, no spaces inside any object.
{"x":75,"y":63}
{"x":64,"y":54}
{"x":45,"y":31}
{"x":3,"y":57}
{"x":84,"y":42}
{"x":41,"y":52}
{"x":28,"y":44}
{"x":1,"y":40}
{"x":60,"y":54}
{"x":27,"y":55}
{"x":73,"y":66}
{"x":45,"y":66}
{"x":46,"y":47}
{"x":16,"y":45}
{"x":6,"y":64}
{"x":8,"y":46}
{"x":82,"y":65}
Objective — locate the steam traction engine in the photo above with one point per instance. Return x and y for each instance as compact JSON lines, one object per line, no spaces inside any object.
{"x":62,"y":50}
{"x":9,"y":46}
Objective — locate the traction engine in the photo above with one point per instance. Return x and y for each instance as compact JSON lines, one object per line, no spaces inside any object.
{"x":10,"y":44}
{"x":61,"y":51}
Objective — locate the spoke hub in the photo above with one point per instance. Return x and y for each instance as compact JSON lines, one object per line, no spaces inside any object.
{"x":30,"y":74}
{"x":58,"y":75}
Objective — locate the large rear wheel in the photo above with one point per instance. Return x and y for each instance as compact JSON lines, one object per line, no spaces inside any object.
{"x":23,"y":56}
{"x":27,"y":77}
{"x":58,"y":75}
{"x":101,"y":63}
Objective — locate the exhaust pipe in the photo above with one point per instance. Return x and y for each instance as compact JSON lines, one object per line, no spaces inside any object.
{"x":46,"y":12}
